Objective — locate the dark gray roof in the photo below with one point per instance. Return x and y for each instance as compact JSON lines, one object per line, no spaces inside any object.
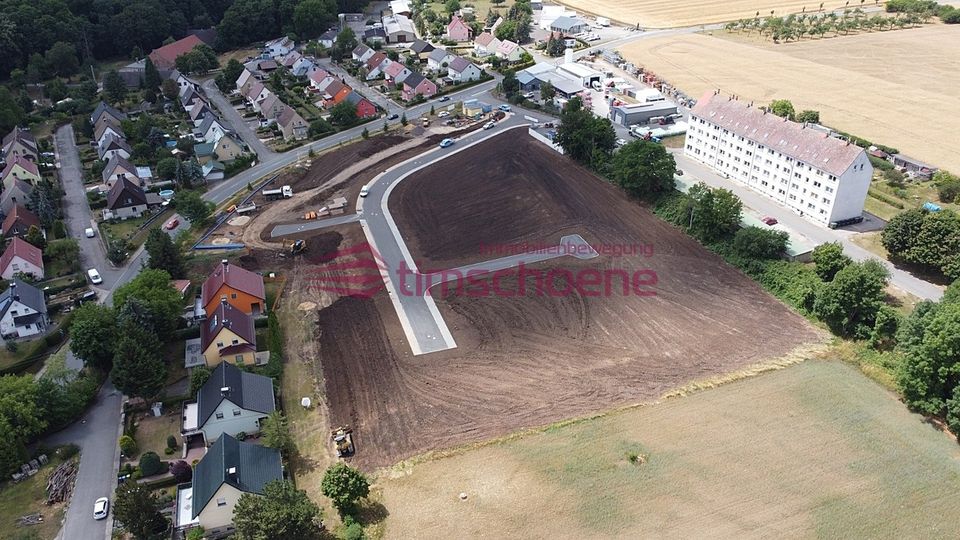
{"x":26,"y":294}
{"x":246,"y":390}
{"x":413,"y":79}
{"x":421,"y":46}
{"x":329,"y":35}
{"x":459,"y":64}
{"x":125,"y":194}
{"x":103,"y":107}
{"x":437,"y":55}
{"x":253,"y":468}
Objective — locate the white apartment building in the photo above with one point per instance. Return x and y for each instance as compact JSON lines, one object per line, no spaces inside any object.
{"x":813,"y":174}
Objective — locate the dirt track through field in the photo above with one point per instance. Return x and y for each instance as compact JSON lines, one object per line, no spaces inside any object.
{"x":534,"y":359}
{"x":660,"y":14}
{"x":897,"y":88}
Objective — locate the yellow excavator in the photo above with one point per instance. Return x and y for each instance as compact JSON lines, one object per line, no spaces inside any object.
{"x":343,"y":441}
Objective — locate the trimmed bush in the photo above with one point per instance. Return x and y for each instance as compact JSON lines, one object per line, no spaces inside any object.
{"x":128,"y":446}
{"x":150,"y":464}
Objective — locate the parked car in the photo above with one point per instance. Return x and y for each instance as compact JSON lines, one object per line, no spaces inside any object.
{"x":446,"y":142}
{"x":679,"y":172}
{"x":101,"y":508}
{"x":445,"y":98}
{"x":364,"y":191}
{"x":769,"y":220}
{"x":94,"y":276}
{"x":172,"y":223}
{"x":89,"y":232}
{"x":621,"y":142}
{"x":529,"y":95}
{"x":443,"y":114}
{"x":504,"y":108}
{"x":489,"y":125}
{"x":393,"y":116}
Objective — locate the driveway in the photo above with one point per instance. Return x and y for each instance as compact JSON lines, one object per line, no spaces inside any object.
{"x":818,"y":234}
{"x":232,"y":117}
{"x":361,"y":87}
{"x":97,"y":477}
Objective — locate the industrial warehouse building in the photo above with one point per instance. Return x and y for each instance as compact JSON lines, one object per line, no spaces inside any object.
{"x":630,"y":114}
{"x":810,"y":172}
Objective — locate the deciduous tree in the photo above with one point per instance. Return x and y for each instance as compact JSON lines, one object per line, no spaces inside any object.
{"x":92,"y":335}
{"x":138,"y":369}
{"x":164,"y":254}
{"x":783,"y":108}
{"x":644,"y":169}
{"x":282,"y":512}
{"x":829,"y":259}
{"x":849,"y":304}
{"x":138,"y":509}
{"x":192,"y":206}
{"x":344,"y":485}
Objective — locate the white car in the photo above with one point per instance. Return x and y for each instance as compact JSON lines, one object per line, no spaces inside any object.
{"x":101,"y":508}
{"x":364,"y":191}
{"x":89,"y":232}
{"x":94,"y":276}
{"x":488,"y":125}
{"x":443,"y":114}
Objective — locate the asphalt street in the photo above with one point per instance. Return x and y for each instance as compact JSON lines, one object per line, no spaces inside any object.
{"x":422,"y":323}
{"x":294,"y":228}
{"x":233,"y":118}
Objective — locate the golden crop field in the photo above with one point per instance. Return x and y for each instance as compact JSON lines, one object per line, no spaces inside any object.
{"x":661,"y":14}
{"x":896,"y":88}
{"x":815,"y":450}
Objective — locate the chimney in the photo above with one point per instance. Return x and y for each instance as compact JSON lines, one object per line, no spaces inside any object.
{"x":13,"y":291}
{"x":223,"y":300}
{"x":232,"y":473}
{"x":226,"y":265}
{"x":224,"y":390}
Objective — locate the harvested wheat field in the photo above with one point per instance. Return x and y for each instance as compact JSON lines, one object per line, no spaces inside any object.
{"x":815,"y":450}
{"x":896,"y":88}
{"x":530,"y":359}
{"x":660,"y":14}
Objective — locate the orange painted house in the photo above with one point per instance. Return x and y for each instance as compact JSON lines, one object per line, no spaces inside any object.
{"x":242,"y":288}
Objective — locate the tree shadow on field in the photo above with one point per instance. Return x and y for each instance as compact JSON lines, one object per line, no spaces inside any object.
{"x":371,"y":513}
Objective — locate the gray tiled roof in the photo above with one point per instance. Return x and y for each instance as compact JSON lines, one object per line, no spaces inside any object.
{"x":29,"y":296}
{"x":254,"y":467}
{"x":248,"y":391}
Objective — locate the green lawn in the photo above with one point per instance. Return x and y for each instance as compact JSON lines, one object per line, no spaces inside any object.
{"x":29,"y":497}
{"x":152,"y":432}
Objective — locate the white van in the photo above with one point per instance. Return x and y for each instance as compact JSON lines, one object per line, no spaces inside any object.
{"x":94,"y":276}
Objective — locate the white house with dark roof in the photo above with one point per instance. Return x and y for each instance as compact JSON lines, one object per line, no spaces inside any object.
{"x":439,"y":59}
{"x":462,"y":70}
{"x":279,"y":47}
{"x":23,"y":310}
{"x":231,"y":401}
{"x":818,"y":176}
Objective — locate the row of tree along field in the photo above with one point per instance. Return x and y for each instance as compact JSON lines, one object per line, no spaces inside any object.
{"x":907,"y":14}
{"x":919,"y":352}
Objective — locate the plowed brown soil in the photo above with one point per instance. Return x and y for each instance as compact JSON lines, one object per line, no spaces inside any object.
{"x":533,"y":360}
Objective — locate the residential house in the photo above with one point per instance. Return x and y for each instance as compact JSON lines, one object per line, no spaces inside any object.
{"x":117,"y":168}
{"x":271,"y":108}
{"x":19,"y":221}
{"x":229,"y":469}
{"x":568,"y":26}
{"x":213,"y":170}
{"x":292,"y":125}
{"x":509,"y":51}
{"x":304,"y":67}
{"x":256,"y":93}
{"x":279,"y":47}
{"x":374,"y":35}
{"x":165,"y":58}
{"x":16,"y":193}
{"x":401,"y":7}
{"x":21,"y":257}
{"x":485,"y":45}
{"x":228,"y":336}
{"x":125,"y":199}
{"x":20,"y":142}
{"x":319,"y":80}
{"x":354,"y":21}
{"x":104,"y":109}
{"x":328,"y":38}
{"x":245,"y":76}
{"x":20,"y":168}
{"x":422,"y":49}
{"x":335,"y":92}
{"x":211,"y":129}
{"x":418,"y":85}
{"x":133,"y":73}
{"x":243,"y":289}
{"x":190,"y":98}
{"x":365,"y":109}
{"x":462,"y":70}
{"x":439,"y":59}
{"x":228,"y":148}
{"x":114,"y":146}
{"x":200,"y":110}
{"x":23,"y":310}
{"x":289,"y":59}
{"x":231,"y":401}
{"x":399,"y":29}
{"x":106,"y":126}
{"x":267,"y":66}
{"x":204,"y":152}
{"x":375,"y":65}
{"x":458,"y":29}
{"x":396,"y":72}
{"x":183,"y":83}
{"x":361,"y":53}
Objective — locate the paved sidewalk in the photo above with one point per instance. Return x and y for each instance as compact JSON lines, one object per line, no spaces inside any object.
{"x":230,"y":115}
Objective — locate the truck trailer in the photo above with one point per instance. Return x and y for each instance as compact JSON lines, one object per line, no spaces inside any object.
{"x":284,"y":192}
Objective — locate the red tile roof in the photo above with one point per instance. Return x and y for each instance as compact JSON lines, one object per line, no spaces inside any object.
{"x":180,"y":285}
{"x":22,"y":215}
{"x":812,"y":147}
{"x":23,"y":249}
{"x":165,"y":57}
{"x":27,"y":164}
{"x":235,"y":276}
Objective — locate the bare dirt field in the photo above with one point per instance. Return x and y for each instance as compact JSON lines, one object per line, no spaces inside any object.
{"x":904,"y":97}
{"x":531,"y":360}
{"x":660,"y":14}
{"x":815,"y":450}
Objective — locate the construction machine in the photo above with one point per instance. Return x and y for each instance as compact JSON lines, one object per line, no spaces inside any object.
{"x":343,"y":441}
{"x":292,"y":248}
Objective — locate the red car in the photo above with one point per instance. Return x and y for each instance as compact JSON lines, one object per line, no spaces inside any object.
{"x":769,"y":220}
{"x":172,"y":224}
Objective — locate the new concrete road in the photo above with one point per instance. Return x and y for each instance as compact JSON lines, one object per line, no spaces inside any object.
{"x":232,"y":117}
{"x":274,"y":162}
{"x":96,"y":435}
{"x":422,"y":323}
{"x":294,"y":228}
{"x":694,"y":170}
